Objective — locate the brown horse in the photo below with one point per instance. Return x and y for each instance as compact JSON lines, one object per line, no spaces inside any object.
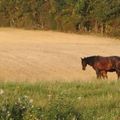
{"x":102,"y":65}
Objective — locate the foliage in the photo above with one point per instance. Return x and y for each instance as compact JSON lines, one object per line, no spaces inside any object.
{"x":65,"y":15}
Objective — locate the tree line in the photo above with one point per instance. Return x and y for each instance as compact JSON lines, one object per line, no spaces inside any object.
{"x":98,"y":16}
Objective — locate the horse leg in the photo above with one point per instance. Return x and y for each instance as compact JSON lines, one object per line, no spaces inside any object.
{"x":104,"y":74}
{"x":98,"y":74}
{"x":101,"y":74}
{"x":118,"y":70}
{"x":118,"y":74}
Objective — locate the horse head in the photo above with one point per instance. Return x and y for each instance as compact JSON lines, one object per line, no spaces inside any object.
{"x":84,"y":63}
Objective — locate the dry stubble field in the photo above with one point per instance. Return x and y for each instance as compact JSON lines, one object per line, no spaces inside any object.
{"x":46,"y":55}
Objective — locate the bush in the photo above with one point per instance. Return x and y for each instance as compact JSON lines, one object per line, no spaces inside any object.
{"x":115,"y":33}
{"x":23,"y":109}
{"x":15,"y":110}
{"x":62,"y":109}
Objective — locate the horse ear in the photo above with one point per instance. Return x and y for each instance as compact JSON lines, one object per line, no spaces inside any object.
{"x":81,"y":58}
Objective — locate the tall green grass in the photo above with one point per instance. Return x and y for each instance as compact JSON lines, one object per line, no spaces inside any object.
{"x":60,"y":101}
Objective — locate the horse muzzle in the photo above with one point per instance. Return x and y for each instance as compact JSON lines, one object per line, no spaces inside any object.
{"x":83,"y":68}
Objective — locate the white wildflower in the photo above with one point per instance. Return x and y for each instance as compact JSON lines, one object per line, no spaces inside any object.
{"x":32,"y":106}
{"x":19,"y":100}
{"x":49,"y":96}
{"x":79,"y":98}
{"x":1,"y":91}
{"x":31,"y":100}
{"x":8,"y":113}
{"x":23,"y":107}
{"x":74,"y":118}
{"x":3,"y":109}
{"x":25,"y":96}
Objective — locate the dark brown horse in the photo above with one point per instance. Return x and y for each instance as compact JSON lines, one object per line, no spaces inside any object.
{"x":102,"y":65}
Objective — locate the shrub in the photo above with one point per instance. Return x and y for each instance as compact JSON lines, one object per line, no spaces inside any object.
{"x":15,"y":110}
{"x":62,"y":109}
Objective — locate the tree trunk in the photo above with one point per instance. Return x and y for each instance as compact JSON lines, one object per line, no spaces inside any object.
{"x":103,"y":28}
{"x":96,"y":26}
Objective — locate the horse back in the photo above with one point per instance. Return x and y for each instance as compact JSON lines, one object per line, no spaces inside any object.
{"x":103,"y":63}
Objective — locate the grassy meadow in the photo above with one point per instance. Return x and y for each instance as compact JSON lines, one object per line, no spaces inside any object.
{"x":98,"y":100}
{"x":32,"y":61}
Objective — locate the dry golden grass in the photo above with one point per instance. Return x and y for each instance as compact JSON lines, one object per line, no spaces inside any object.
{"x":46,"y":55}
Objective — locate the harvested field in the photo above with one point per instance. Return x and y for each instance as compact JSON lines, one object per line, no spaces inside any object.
{"x":46,"y":55}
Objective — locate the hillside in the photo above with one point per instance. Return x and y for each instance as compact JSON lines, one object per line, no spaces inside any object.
{"x":46,"y":55}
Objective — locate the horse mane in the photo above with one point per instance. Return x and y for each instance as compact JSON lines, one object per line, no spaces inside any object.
{"x":91,"y":59}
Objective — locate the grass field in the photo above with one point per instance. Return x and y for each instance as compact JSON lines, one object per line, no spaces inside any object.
{"x":41,"y":77}
{"x":45,"y":55}
{"x":60,"y":101}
